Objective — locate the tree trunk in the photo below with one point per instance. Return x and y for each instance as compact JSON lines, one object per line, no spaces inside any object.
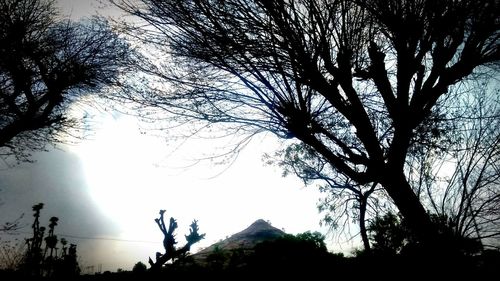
{"x":412,"y":210}
{"x":362,"y":224}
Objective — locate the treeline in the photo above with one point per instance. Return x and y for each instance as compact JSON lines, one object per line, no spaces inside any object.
{"x":305,"y":257}
{"x":395,"y":254}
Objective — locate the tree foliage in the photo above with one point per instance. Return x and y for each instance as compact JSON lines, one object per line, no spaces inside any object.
{"x":139,"y":268}
{"x":290,"y":256}
{"x":46,"y":64}
{"x":391,"y":236}
{"x":344,"y":202}
{"x":358,"y":82}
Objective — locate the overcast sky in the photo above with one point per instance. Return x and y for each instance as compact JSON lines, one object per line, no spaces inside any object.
{"x":113,"y":185}
{"x":107,"y":190}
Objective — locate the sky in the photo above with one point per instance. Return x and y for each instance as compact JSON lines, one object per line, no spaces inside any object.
{"x":108,"y":189}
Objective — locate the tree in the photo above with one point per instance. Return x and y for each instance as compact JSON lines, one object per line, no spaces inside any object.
{"x":289,"y":256}
{"x":139,"y":268}
{"x":34,"y":258}
{"x":344,"y":202}
{"x":358,"y":82}
{"x":391,"y":236}
{"x":171,"y":251}
{"x":217,"y":259}
{"x":388,"y":234}
{"x":37,"y":263}
{"x":46,"y":64}
{"x":462,"y":184}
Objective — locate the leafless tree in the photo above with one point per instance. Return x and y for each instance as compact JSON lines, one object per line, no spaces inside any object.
{"x":11,"y":254}
{"x":355,"y":81}
{"x":463,"y":184}
{"x":47,"y":63}
{"x":172,"y":252}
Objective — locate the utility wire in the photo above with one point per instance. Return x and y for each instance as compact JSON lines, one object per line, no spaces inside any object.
{"x":89,"y":238}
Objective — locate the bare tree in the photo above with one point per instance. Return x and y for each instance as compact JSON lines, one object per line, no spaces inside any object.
{"x":463,"y":184}
{"x":12,"y":253}
{"x":171,"y":251}
{"x":45,"y":65}
{"x":355,"y":81}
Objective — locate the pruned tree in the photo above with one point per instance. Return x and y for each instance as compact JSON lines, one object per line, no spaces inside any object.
{"x":38,"y":263}
{"x":33,"y":258}
{"x":172,"y":252}
{"x":46,"y":64}
{"x":358,"y":82}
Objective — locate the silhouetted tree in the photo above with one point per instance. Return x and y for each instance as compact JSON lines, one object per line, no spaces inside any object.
{"x":45,"y":65}
{"x":67,"y":266}
{"x":35,"y":263}
{"x":463,"y":182}
{"x":139,"y":268}
{"x":291,"y":256}
{"x":171,"y":251}
{"x":34,"y":257}
{"x":51,"y":239}
{"x":391,"y":236}
{"x":388,"y":234}
{"x":217,"y":258}
{"x":356,"y":81}
{"x":344,"y":201}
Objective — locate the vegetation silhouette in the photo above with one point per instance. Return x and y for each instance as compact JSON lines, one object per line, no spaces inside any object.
{"x":44,"y":261}
{"x":358,"y":83}
{"x":364,"y":89}
{"x":47,"y":63}
{"x":172,"y":253}
{"x":305,"y":257}
{"x":139,"y":268}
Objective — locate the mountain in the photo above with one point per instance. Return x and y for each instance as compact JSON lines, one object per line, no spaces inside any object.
{"x":245,"y":240}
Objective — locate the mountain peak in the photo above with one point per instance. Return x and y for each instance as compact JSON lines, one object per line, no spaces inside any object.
{"x":259,"y":228}
{"x":257,"y":232}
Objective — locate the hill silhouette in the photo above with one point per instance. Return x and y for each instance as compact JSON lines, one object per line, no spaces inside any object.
{"x":245,"y":240}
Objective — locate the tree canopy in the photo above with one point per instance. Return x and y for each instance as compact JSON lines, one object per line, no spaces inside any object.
{"x":357,"y":82}
{"x":47,"y":63}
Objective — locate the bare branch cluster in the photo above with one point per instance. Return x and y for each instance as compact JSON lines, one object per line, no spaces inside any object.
{"x":46,"y":64}
{"x":357,"y":82}
{"x":171,"y":251}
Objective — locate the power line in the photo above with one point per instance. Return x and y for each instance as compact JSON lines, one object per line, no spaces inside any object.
{"x":108,"y":239}
{"x":90,"y":238}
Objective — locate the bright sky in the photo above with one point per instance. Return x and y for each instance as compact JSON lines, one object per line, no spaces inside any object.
{"x":112,"y":186}
{"x":108,"y":189}
{"x":131,"y":176}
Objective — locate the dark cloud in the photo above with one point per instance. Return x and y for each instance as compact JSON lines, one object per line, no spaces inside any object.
{"x":56,"y":178}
